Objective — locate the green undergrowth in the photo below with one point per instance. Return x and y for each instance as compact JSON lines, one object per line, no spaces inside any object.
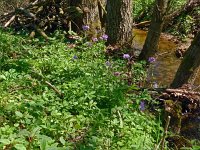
{"x":57,"y":96}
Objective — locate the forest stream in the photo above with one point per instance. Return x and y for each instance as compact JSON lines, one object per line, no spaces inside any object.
{"x":164,"y":68}
{"x":161,"y":73}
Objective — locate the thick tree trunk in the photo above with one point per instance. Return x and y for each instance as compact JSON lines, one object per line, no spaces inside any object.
{"x":151,"y":43}
{"x":119,"y":22}
{"x":189,"y":65}
{"x":88,"y":15}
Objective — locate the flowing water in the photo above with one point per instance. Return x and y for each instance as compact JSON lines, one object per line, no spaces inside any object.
{"x":164,"y":69}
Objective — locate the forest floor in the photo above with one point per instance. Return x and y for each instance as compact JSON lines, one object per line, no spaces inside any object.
{"x":68,"y":95}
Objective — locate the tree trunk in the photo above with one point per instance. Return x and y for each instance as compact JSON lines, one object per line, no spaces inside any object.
{"x":152,"y":40}
{"x":189,"y":65}
{"x":119,"y":22}
{"x":88,"y":14}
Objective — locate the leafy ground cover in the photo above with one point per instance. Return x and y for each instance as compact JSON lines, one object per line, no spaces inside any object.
{"x":61,"y":95}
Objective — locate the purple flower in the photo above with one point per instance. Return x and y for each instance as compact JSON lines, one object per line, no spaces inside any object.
{"x":85,"y":27}
{"x":126,"y":56}
{"x":75,"y":57}
{"x":117,"y":73}
{"x":94,"y":39}
{"x":104,"y":37}
{"x":142,"y":105}
{"x":151,"y":59}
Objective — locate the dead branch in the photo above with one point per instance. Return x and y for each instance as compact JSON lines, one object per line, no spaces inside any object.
{"x":10,"y":21}
{"x":39,"y":16}
{"x":182,"y":91}
{"x":54,"y":88}
{"x":142,"y":24}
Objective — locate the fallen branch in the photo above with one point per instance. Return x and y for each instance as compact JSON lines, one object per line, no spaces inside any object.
{"x":36,"y":75}
{"x":182,"y":91}
{"x":142,"y":24}
{"x":9,"y":22}
{"x":39,"y":16}
{"x":42,"y":33}
{"x":54,"y":88}
{"x":25,"y":12}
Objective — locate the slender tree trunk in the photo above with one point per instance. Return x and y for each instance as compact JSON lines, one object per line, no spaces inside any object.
{"x":189,"y":65}
{"x":119,"y":22}
{"x":152,"y":40}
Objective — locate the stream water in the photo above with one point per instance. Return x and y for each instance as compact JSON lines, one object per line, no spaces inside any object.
{"x":162,"y":72}
{"x":164,"y":68}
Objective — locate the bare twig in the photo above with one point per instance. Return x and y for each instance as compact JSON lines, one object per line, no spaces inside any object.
{"x":10,"y":21}
{"x":54,"y":88}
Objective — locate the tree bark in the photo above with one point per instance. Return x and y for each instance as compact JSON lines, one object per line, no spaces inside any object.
{"x":119,"y":22}
{"x":152,"y":40}
{"x":88,"y":15}
{"x":189,"y":65}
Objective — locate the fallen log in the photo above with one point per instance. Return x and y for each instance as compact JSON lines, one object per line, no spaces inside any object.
{"x":142,"y":24}
{"x":182,"y":91}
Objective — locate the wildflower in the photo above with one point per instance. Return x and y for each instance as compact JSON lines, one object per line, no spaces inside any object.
{"x":126,"y":56}
{"x":117,"y":73}
{"x":142,"y":105}
{"x":85,"y":27}
{"x":94,"y":39}
{"x":104,"y":37}
{"x":75,"y":57}
{"x":151,"y":59}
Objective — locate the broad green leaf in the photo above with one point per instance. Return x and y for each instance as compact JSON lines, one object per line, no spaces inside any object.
{"x":2,"y":77}
{"x":5,"y":141}
{"x":62,"y":140}
{"x":20,"y":147}
{"x":19,"y":114}
{"x":43,"y":144}
{"x":35,"y":131}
